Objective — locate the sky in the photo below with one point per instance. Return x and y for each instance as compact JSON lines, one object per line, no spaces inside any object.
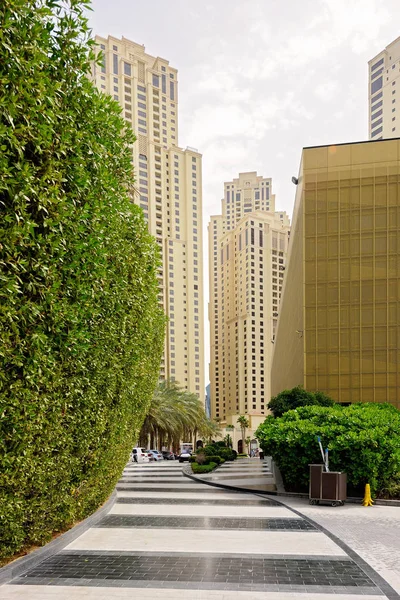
{"x":259,"y":79}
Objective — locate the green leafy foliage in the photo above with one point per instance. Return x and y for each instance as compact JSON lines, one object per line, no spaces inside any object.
{"x":196,"y":468}
{"x":81,"y":330}
{"x":218,"y":449}
{"x":297,"y":396}
{"x":363,"y":441}
{"x":175,"y":414}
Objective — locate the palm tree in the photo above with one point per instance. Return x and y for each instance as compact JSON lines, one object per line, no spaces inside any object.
{"x":244,"y":423}
{"x":174,"y":415}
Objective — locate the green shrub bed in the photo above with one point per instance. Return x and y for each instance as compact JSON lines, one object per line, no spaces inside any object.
{"x":218,"y":450}
{"x":81,"y":330}
{"x":363,"y":441}
{"x":196,"y":468}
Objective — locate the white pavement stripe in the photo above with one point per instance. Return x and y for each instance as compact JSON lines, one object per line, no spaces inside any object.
{"x":203,"y":510}
{"x":146,"y":480}
{"x":38,"y":592}
{"x":188,"y":495}
{"x":207,"y":540}
{"x":160,"y":486}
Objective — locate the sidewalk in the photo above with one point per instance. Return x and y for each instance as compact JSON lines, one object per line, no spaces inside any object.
{"x":168,"y":536}
{"x":372,"y":532}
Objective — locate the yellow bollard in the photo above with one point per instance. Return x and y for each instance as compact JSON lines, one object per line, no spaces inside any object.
{"x":367,"y":496}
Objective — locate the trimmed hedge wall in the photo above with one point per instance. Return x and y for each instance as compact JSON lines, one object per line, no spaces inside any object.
{"x":81,"y":331}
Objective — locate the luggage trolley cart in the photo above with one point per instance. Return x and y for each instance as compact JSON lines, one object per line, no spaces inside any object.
{"x":325,"y":485}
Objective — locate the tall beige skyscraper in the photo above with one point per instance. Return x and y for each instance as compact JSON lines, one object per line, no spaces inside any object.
{"x":247,"y":252}
{"x":384,"y":79}
{"x":168,"y":179}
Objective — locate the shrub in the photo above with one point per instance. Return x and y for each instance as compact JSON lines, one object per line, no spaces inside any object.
{"x":218,"y":450}
{"x":81,"y":331}
{"x":203,"y":468}
{"x":211,"y":458}
{"x":363,"y":441}
{"x":242,"y":456}
{"x":296,"y":397}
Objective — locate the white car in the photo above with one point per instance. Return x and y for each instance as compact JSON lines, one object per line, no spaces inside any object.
{"x":140,"y":455}
{"x":184,"y":456}
{"x":156,"y":454}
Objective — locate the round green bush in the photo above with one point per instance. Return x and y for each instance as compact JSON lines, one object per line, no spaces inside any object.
{"x":81,"y":329}
{"x":363,"y":441}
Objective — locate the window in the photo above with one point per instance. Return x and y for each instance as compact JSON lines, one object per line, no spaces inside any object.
{"x":377,"y":65}
{"x":376,"y":115}
{"x":156,"y":81}
{"x":171,"y":90}
{"x":115,"y":63}
{"x":127,"y":69}
{"x":376,"y":131}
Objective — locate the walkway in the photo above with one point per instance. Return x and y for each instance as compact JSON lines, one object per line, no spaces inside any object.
{"x":166,"y":534}
{"x":245,"y":473}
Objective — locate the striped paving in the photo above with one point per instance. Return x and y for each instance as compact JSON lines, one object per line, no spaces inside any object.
{"x":167,"y":535}
{"x":249,"y":473}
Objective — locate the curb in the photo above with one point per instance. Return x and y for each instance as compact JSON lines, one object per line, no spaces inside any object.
{"x":31,"y":560}
{"x":187,"y":472}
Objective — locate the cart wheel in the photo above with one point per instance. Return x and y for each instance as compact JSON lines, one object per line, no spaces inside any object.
{"x":335,"y":503}
{"x":312,"y":501}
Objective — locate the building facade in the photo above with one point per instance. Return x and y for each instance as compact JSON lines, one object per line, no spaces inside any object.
{"x":339,"y":323}
{"x":247,"y":254}
{"x":384,"y":79}
{"x":169,"y":190}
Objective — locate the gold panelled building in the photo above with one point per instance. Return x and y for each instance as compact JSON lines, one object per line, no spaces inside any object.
{"x":339,"y":321}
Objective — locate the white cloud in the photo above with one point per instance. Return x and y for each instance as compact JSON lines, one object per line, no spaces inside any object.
{"x":326,"y":90}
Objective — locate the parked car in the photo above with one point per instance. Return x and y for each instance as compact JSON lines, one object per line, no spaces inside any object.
{"x":168,"y":455}
{"x":184,"y":456}
{"x":156,"y":454}
{"x":140,"y":455}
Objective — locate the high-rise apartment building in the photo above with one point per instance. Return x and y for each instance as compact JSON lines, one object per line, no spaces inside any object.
{"x":384,"y":79}
{"x":169,"y":186}
{"x":247,"y":252}
{"x":339,"y":322}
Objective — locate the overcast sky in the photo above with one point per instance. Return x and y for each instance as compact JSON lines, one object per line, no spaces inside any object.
{"x":260,"y":79}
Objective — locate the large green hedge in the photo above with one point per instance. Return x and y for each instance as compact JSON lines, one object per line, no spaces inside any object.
{"x":81,"y":331}
{"x":363,"y":441}
{"x":296,"y":397}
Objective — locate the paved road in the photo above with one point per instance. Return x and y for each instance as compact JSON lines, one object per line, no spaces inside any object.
{"x":167,"y":536}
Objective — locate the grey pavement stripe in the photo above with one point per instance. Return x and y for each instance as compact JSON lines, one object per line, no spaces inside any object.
{"x":237,"y":571}
{"x":190,"y":522}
